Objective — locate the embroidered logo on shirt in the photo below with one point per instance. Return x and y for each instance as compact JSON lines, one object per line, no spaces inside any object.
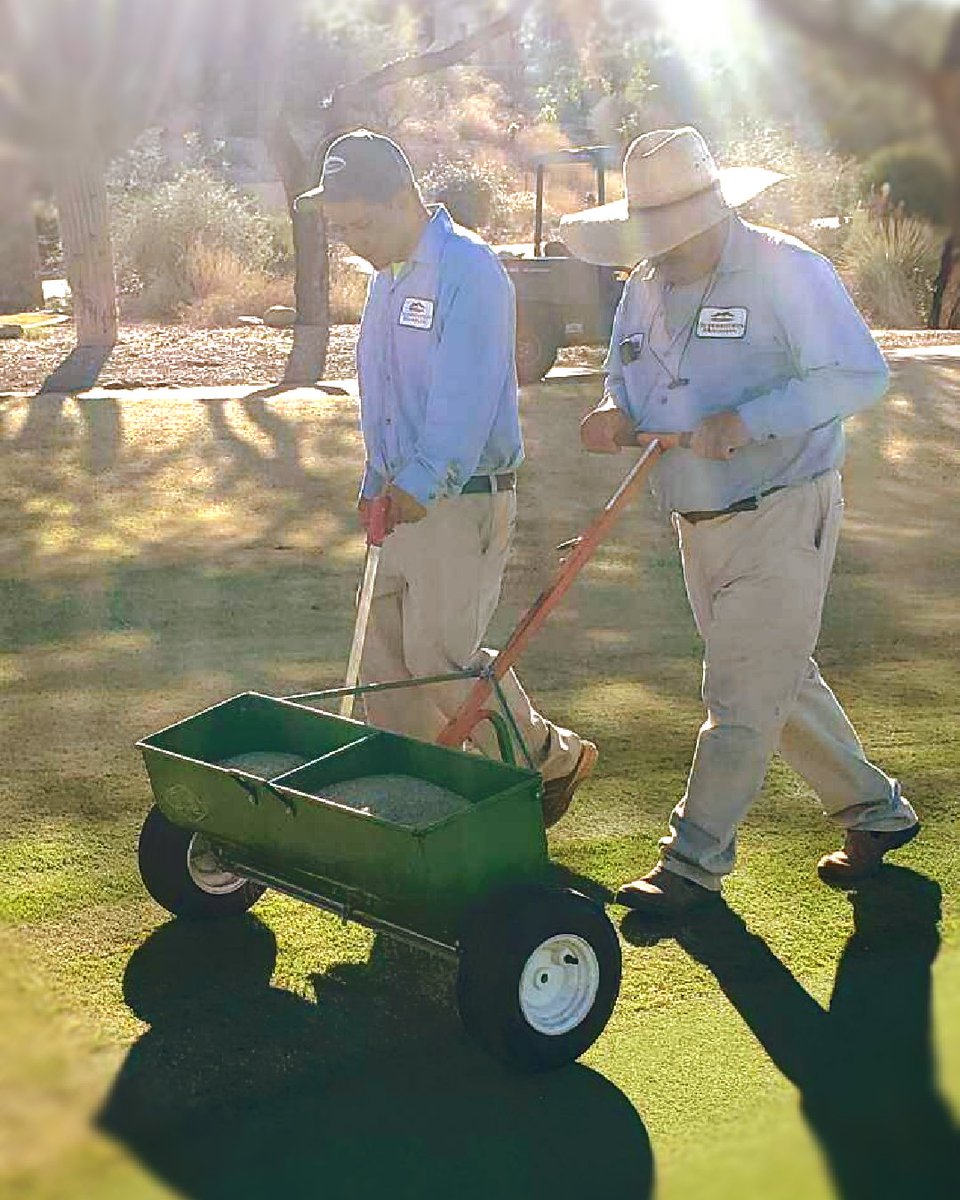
{"x":416,"y":313}
{"x":722,"y":323}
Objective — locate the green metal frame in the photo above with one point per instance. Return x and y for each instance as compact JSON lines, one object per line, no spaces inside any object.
{"x":504,"y":723}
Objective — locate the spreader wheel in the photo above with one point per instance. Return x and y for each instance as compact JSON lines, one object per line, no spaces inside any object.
{"x":539,"y":976}
{"x":182,"y":872}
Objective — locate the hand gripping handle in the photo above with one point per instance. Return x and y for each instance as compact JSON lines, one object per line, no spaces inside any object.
{"x":379,"y":521}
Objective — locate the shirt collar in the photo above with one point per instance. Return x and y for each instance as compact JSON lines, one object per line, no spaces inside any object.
{"x":434,"y":235}
{"x":737,"y":252}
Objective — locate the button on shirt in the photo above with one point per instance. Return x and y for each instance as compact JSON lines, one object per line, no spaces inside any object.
{"x":773,"y":334}
{"x":435,"y":359}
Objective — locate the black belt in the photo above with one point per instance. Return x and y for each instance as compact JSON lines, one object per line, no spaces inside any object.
{"x":489,"y":483}
{"x":750,"y":504}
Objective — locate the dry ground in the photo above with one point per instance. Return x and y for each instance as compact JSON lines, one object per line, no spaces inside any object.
{"x":178,"y":356}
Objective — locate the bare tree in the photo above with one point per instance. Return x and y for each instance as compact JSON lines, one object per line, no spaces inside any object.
{"x":79,"y":80}
{"x":346,"y":107}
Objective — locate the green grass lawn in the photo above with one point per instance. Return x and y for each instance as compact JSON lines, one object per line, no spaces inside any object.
{"x":156,"y":557}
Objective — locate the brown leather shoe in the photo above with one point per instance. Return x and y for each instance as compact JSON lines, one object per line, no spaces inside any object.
{"x":558,"y":793}
{"x":664,"y":893}
{"x":861,"y":855}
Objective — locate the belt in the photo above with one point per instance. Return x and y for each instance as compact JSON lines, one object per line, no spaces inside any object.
{"x":489,"y":483}
{"x":750,"y":504}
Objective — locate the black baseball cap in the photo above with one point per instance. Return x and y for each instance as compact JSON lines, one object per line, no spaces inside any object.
{"x":360,"y":166}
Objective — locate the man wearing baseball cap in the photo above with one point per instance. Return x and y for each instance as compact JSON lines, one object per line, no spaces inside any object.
{"x":441,"y":428}
{"x":746,"y":341}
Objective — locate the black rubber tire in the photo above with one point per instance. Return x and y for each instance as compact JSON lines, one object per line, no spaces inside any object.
{"x":538,"y":340}
{"x":162,"y":857}
{"x":498,"y":939}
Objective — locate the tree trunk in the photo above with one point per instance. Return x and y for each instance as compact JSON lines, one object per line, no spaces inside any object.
{"x":945,"y":313}
{"x":311,"y":287}
{"x":945,"y":95}
{"x":20,"y":288}
{"x":311,"y":284}
{"x":81,"y":197}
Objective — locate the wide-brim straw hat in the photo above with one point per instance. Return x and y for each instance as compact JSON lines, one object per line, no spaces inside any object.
{"x":674,"y":191}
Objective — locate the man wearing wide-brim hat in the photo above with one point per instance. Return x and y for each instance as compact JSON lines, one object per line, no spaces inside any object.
{"x":744,"y":340}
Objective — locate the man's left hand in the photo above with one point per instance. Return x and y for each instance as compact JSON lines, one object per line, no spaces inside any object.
{"x":404,"y":508}
{"x":720,"y":435}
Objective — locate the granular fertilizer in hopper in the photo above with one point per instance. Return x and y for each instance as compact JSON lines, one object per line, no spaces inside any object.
{"x":265,"y":764}
{"x":400,"y":799}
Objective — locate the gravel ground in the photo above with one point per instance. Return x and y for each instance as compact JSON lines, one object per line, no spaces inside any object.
{"x":172,"y":356}
{"x":180,"y":356}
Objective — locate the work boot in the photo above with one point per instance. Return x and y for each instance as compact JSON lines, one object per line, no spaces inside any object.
{"x":862,"y":855}
{"x":558,"y":793}
{"x":664,"y":893}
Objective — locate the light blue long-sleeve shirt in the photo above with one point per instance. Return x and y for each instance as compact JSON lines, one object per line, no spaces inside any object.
{"x":435,"y":358}
{"x":772,"y":334}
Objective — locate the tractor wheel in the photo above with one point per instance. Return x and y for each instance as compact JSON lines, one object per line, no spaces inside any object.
{"x":538,"y":339}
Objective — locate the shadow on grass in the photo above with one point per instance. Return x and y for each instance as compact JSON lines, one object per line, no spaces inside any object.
{"x":241,"y":1089}
{"x":865,"y":1068}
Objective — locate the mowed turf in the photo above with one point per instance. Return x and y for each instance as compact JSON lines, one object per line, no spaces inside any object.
{"x":158,"y":556}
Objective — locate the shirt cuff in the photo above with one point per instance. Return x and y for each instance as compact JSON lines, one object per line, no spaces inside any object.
{"x":371,"y":485}
{"x":419,"y":481}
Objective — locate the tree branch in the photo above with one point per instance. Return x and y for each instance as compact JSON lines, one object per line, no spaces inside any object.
{"x":414,"y":65}
{"x":834,"y":32}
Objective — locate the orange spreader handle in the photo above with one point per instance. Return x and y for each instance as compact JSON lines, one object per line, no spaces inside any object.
{"x":461,"y":724}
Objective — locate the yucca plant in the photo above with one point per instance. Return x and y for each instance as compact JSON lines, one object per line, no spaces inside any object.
{"x":890,"y":265}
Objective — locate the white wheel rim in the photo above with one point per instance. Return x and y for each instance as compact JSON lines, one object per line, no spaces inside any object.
{"x":559,"y":984}
{"x":206,"y":870}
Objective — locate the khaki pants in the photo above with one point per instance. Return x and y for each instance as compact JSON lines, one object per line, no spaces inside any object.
{"x":756,"y":583}
{"x":437,"y":588}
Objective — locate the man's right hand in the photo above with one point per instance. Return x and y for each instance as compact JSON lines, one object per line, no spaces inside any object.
{"x":606,"y":431}
{"x":363,"y":512}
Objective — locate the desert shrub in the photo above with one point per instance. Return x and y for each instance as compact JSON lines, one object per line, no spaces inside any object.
{"x":476,"y":191}
{"x":890,"y":267}
{"x":157,"y":235}
{"x":820,"y":186}
{"x":280,"y":259}
{"x":223,"y":287}
{"x":348,"y":286}
{"x":918,"y":179}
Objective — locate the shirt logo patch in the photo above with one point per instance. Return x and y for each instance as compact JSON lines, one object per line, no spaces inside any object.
{"x":630,"y":348}
{"x":722,"y":323}
{"x":416,"y":313}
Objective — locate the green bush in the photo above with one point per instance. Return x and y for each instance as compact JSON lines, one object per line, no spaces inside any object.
{"x":156,"y":233}
{"x":890,"y":267}
{"x":476,"y":192}
{"x":918,"y":179}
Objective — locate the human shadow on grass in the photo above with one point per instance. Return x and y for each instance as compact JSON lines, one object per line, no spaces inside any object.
{"x":865,"y":1068}
{"x":241,"y":1089}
